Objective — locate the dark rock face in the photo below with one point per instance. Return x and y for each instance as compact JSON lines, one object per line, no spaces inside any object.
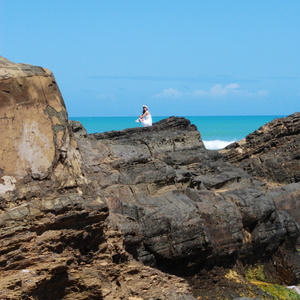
{"x":180,"y":207}
{"x":287,"y":198}
{"x":272,"y":152}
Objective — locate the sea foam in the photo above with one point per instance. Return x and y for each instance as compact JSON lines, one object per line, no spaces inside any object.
{"x":216,"y":144}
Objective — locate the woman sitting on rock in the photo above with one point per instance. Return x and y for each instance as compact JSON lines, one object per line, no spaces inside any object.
{"x":145,"y":118}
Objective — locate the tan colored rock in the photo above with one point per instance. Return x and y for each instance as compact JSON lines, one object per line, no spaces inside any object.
{"x":34,"y":134}
{"x":61,"y":248}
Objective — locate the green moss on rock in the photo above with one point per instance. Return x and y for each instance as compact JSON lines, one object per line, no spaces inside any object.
{"x":257,"y":277}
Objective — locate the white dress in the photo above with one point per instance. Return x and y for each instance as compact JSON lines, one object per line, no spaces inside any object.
{"x":146,"y":121}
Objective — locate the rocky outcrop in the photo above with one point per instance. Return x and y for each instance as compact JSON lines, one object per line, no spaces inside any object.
{"x":55,"y":238}
{"x":180,"y":207}
{"x":60,"y":248}
{"x":36,"y":142}
{"x":113,"y":215}
{"x":272,"y":152}
{"x":272,"y":155}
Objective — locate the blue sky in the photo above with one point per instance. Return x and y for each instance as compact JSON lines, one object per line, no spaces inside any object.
{"x":182,"y":58}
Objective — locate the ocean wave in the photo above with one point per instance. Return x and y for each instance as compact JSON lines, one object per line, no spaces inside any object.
{"x":216,"y":144}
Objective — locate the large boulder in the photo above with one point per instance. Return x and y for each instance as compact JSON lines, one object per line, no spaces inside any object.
{"x":180,"y":207}
{"x":35,"y":138}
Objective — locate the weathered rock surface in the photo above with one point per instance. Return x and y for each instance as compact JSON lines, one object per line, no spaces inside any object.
{"x":55,"y":241}
{"x":61,"y":249}
{"x":34,"y":128}
{"x":287,"y":197}
{"x":103,"y":216}
{"x":180,"y":207}
{"x":272,"y":152}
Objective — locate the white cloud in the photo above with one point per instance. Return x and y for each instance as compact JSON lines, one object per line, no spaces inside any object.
{"x":217,"y":90}
{"x":232,"y":86}
{"x":167,"y":93}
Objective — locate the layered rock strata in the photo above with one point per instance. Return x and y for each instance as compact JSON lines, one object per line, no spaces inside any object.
{"x":272,"y":155}
{"x":180,"y":207}
{"x":272,"y":152}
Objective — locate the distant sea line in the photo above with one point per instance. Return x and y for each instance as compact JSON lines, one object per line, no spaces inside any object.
{"x":216,"y":131}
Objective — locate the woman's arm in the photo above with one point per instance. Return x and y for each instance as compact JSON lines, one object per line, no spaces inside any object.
{"x":144,"y":114}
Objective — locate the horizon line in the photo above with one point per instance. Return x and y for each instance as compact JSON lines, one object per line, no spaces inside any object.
{"x":185,"y":116}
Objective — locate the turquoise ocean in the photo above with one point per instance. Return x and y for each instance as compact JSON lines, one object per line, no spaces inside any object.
{"x":216,"y":132}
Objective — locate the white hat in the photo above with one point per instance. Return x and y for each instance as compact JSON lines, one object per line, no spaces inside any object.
{"x":145,"y":106}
